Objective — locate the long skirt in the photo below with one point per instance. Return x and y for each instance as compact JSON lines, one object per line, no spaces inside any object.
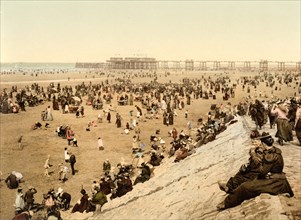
{"x":298,"y":130}
{"x":49,"y":116}
{"x":251,"y":189}
{"x":284,"y":130}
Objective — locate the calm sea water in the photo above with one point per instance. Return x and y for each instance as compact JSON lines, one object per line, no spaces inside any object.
{"x":37,"y":66}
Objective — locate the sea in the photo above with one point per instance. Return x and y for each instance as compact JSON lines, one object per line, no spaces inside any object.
{"x":36,"y":66}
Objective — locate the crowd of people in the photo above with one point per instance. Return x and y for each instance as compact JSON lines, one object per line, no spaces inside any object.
{"x":152,"y":101}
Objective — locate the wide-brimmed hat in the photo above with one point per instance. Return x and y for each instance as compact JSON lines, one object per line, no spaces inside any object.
{"x":264,"y":135}
{"x":266,"y":138}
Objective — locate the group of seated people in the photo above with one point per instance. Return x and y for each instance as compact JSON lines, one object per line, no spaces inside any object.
{"x":263,"y":173}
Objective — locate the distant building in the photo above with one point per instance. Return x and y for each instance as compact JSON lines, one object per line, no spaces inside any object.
{"x":132,"y":63}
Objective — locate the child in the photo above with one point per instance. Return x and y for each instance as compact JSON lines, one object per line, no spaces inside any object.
{"x":74,"y":142}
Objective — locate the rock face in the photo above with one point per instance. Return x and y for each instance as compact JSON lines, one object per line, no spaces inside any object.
{"x":189,"y":190}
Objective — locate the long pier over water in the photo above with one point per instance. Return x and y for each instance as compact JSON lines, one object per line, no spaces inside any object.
{"x":191,"y":65}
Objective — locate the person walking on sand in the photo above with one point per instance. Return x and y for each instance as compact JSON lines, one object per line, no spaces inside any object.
{"x":69,"y":135}
{"x":100,"y":144}
{"x":19,"y":202}
{"x":72,"y":162}
{"x":74,"y":143}
{"x":29,"y":197}
{"x":63,"y":172}
{"x":49,"y":116}
{"x":109,"y":117}
{"x":47,"y":165}
{"x":66,"y":155}
{"x":20,"y":141}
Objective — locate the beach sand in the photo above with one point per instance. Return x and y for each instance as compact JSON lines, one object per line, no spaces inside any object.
{"x":37,"y":144}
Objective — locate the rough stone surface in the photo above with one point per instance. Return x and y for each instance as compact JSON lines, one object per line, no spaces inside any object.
{"x":189,"y":190}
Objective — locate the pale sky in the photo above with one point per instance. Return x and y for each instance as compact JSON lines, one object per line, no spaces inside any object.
{"x":94,"y":31}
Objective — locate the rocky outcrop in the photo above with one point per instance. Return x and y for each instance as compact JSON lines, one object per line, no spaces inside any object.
{"x":189,"y":190}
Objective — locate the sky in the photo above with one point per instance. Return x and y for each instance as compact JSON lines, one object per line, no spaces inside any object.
{"x":94,"y":31}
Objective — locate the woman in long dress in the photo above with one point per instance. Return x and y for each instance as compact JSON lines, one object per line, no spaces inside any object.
{"x":297,"y":125}
{"x":49,"y":116}
{"x":284,"y":129}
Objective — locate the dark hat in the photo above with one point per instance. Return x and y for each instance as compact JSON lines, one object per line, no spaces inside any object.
{"x":266,"y":138}
{"x":264,"y":135}
{"x":83,"y":191}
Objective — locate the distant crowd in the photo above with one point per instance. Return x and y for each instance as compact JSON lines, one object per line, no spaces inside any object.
{"x":152,"y":101}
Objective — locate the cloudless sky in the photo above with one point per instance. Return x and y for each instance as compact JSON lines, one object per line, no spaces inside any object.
{"x":94,"y":31}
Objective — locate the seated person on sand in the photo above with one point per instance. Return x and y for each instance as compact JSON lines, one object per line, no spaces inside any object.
{"x":82,"y":204}
{"x":124,"y":184}
{"x":248,"y":171}
{"x":13,"y":180}
{"x":181,"y":153}
{"x":98,"y":199}
{"x":105,"y":185}
{"x":63,"y":199}
{"x":144,"y":175}
{"x":263,"y":176}
{"x":36,"y":126}
{"x":155,"y":159}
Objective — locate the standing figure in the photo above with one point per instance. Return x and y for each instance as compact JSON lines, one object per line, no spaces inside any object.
{"x":258,"y":113}
{"x":137,"y":131}
{"x":82,"y":111}
{"x":106,"y":167}
{"x":69,"y":135}
{"x":49,"y":116}
{"x":29,"y":197}
{"x":19,"y":203}
{"x":74,"y":142}
{"x":72,"y":162}
{"x":297,"y":124}
{"x":174,"y":134}
{"x":118,"y":120}
{"x":63,"y":172}
{"x":20,"y":141}
{"x":284,"y":129}
{"x":186,"y":114}
{"x":47,"y":165}
{"x":189,"y":126}
{"x":100,"y":144}
{"x":109,"y":117}
{"x":66,"y":155}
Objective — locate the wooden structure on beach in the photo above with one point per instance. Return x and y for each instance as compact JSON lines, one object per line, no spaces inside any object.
{"x":132,"y":63}
{"x":144,"y":63}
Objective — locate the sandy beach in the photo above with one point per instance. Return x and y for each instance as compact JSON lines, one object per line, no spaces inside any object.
{"x":37,"y":144}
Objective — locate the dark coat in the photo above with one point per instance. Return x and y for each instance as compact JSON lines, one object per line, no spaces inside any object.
{"x":12,"y":181}
{"x":84,"y":202}
{"x":29,"y":196}
{"x":105,"y":187}
{"x":275,"y":184}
